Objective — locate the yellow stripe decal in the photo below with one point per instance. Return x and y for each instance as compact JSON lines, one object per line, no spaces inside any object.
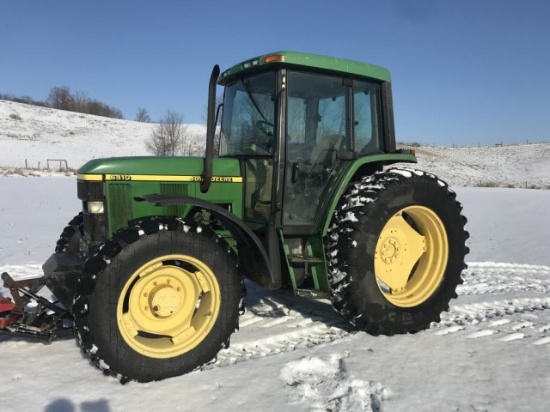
{"x":98,"y":178}
{"x":159,"y":178}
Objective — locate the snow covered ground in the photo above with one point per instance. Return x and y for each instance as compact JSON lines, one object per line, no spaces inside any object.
{"x":491,"y":352}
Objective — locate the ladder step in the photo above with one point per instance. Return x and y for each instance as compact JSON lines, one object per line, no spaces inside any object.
{"x":304,"y":259}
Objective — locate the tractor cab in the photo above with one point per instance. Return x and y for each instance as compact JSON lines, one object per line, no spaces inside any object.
{"x":296,"y":120}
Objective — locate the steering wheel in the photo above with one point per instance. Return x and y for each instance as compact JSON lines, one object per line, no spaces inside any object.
{"x":265,"y":127}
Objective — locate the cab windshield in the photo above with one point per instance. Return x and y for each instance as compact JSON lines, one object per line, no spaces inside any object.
{"x":248,"y":116}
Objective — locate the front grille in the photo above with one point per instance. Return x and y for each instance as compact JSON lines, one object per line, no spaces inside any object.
{"x":89,"y":190}
{"x":95,"y":227}
{"x":119,"y":207}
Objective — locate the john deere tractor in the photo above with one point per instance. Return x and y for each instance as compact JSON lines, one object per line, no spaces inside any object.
{"x":300,"y":194}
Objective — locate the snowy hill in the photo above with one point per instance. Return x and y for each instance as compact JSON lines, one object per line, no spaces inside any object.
{"x":35,"y":134}
{"x":524,"y":166}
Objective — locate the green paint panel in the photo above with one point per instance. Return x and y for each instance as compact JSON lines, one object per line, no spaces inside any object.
{"x":122,"y":207}
{"x":120,"y":203}
{"x":149,"y":165}
{"x":340,"y":182}
{"x":308,"y":60}
{"x":175,"y":189}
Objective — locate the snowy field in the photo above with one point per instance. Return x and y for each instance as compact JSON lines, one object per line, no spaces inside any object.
{"x":491,"y":352}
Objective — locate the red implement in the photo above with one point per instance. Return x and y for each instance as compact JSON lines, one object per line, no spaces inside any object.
{"x":7,"y":319}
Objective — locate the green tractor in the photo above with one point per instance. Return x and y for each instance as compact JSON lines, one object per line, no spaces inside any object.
{"x":299,"y":193}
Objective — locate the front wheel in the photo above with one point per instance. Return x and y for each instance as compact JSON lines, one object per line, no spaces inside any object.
{"x":158,"y":300}
{"x":396,"y":251}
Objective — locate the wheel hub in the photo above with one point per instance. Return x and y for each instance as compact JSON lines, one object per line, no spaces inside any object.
{"x":411,"y":255}
{"x":166,"y":309}
{"x":164,"y":300}
{"x":391,"y":249}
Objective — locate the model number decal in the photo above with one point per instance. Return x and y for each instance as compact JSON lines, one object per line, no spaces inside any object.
{"x":223,"y":179}
{"x":119,"y":177}
{"x":171,"y":178}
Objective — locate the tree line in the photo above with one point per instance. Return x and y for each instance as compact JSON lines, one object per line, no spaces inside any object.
{"x":61,"y":97}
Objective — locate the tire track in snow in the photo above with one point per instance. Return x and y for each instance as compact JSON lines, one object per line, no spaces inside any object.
{"x":488,"y":277}
{"x":498,"y":314}
{"x":280,"y":323}
{"x":509,"y":320}
{"x":277,"y":322}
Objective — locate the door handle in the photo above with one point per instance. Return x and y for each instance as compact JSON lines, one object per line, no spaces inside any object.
{"x":295,"y":172}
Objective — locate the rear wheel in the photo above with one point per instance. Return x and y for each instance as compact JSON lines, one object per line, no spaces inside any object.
{"x":396,"y":251}
{"x":158,"y":300}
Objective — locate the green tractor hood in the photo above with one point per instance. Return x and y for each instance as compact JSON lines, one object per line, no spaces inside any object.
{"x":172,"y":168}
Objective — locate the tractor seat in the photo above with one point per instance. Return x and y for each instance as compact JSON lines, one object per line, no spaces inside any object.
{"x":323,"y":154}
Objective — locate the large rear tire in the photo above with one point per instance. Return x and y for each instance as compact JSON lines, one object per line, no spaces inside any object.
{"x":159,"y":299}
{"x":396,"y":250}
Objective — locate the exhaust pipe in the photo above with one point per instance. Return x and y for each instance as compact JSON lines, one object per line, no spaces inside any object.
{"x":210,"y":131}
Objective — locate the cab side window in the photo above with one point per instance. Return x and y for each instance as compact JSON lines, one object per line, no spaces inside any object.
{"x":366,"y":124}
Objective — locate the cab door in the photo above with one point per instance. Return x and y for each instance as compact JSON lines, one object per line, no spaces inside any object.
{"x":317,"y":129}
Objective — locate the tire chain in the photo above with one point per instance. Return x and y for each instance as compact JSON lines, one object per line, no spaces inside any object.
{"x":68,"y":231}
{"x":102,"y":257}
{"x":354,"y":201}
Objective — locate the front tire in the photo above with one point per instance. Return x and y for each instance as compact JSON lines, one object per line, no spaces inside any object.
{"x":396,"y":250}
{"x":158,"y":300}
{"x":69,"y":240}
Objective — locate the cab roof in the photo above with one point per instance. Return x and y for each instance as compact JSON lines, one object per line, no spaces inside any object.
{"x":307,"y":60}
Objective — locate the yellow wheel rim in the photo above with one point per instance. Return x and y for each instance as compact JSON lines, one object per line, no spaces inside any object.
{"x":168,"y":306}
{"x":411,"y":256}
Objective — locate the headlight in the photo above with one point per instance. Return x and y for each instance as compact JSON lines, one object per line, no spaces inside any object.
{"x":95,"y":208}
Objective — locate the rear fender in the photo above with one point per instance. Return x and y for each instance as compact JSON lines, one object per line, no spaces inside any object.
{"x":254,"y":260}
{"x":356,"y":169}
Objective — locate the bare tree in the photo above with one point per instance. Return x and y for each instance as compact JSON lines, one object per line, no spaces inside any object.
{"x":168,"y":136}
{"x":60,"y":98}
{"x":142,"y":115}
{"x":80,"y":102}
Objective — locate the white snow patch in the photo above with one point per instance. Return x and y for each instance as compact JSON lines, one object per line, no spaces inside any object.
{"x":512,"y":336}
{"x":482,"y":333}
{"x":326,"y":385}
{"x":402,"y":172}
{"x":350,"y":216}
{"x":542,"y":341}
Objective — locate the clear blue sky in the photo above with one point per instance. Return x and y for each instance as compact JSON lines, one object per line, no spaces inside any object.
{"x":464,"y":72}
